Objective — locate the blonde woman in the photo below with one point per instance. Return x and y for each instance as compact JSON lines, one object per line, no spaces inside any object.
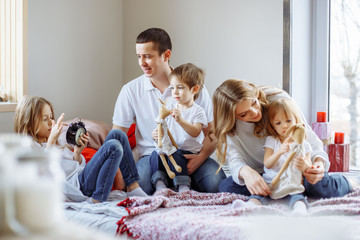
{"x":239,"y":116}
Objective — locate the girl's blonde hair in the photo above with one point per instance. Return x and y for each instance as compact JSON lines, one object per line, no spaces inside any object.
{"x":284,"y":106}
{"x":226,"y":97}
{"x":191,"y":75}
{"x":28,"y":115}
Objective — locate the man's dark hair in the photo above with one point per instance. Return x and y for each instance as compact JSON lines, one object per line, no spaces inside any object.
{"x":158,"y":36}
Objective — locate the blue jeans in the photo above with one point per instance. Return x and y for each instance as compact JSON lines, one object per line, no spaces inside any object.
{"x":292,"y":199}
{"x":203,"y":179}
{"x":158,"y":171}
{"x":98,"y":176}
{"x":334,"y":185}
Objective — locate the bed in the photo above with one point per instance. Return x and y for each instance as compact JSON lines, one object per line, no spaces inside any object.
{"x":194,"y":215}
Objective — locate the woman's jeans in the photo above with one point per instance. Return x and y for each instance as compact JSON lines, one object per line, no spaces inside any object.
{"x":333,"y":185}
{"x":98,"y":176}
{"x":158,"y":171}
{"x":204,"y":179}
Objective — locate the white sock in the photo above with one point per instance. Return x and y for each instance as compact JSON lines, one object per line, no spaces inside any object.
{"x":183,"y":188}
{"x":299,"y":209}
{"x":160,"y":185}
{"x":137,"y":192}
{"x":240,"y":203}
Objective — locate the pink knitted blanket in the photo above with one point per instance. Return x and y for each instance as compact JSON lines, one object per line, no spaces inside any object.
{"x":194,"y":215}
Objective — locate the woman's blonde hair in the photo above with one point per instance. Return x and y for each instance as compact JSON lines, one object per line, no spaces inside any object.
{"x":284,"y":106}
{"x":226,"y":97}
{"x":28,"y":115}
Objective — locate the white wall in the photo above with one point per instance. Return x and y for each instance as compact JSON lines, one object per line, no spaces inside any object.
{"x":229,"y":39}
{"x":81,"y":52}
{"x":75,"y":57}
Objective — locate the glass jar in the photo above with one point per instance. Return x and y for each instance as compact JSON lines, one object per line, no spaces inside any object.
{"x":38,"y":190}
{"x":30,"y":187}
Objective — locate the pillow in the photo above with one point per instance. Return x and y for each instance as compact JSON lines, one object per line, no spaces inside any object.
{"x":131,"y":135}
{"x":97,"y":130}
{"x":88,"y":153}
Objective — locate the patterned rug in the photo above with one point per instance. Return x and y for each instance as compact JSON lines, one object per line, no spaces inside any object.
{"x":194,"y":215}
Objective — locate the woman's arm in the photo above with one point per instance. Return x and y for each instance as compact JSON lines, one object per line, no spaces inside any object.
{"x":254,"y":181}
{"x":318,"y":154}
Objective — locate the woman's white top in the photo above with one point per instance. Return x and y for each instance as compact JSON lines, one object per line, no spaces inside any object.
{"x":71,"y":170}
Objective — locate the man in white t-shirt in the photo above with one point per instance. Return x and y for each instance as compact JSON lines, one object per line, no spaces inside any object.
{"x":138,"y":102}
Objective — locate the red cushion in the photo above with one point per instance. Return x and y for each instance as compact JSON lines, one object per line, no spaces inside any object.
{"x":88,"y":153}
{"x":131,"y":135}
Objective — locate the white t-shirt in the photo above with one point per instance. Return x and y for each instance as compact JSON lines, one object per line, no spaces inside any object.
{"x":139,"y":101}
{"x":71,"y":169}
{"x":275,"y":144}
{"x":195,"y":114}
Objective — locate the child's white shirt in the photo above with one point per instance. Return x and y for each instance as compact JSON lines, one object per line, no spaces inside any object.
{"x":275,"y":144}
{"x":195,"y":114}
{"x":291,"y":180}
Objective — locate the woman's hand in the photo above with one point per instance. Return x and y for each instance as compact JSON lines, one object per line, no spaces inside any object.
{"x":315,"y":173}
{"x":55,"y":130}
{"x":254,"y":181}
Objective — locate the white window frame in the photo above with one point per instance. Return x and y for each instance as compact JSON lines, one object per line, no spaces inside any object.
{"x":320,"y":72}
{"x":13,"y":51}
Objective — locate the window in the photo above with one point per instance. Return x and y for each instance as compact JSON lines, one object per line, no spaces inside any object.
{"x":13,"y":49}
{"x":344,"y":91}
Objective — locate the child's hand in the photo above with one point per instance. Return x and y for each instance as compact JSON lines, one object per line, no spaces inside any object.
{"x":176,"y":114}
{"x":285,"y":147}
{"x":302,"y":163}
{"x":84,"y":139}
{"x":155,"y":134}
{"x":55,"y":130}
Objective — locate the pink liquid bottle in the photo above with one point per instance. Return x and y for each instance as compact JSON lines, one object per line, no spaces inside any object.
{"x":322,"y":128}
{"x":339,"y":154}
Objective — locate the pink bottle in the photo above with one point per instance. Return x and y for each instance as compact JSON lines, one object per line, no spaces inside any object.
{"x":322,"y":128}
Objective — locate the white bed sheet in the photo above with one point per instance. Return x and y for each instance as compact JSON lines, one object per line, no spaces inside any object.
{"x":100,"y":216}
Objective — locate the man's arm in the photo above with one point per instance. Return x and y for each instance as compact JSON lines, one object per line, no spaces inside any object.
{"x":209,"y":145}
